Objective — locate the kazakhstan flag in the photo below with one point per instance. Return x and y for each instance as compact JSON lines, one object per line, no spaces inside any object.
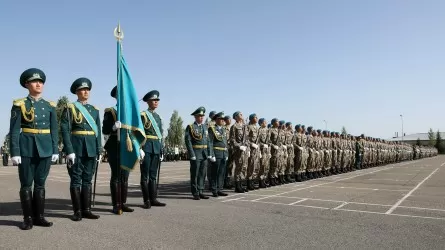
{"x":132,"y":134}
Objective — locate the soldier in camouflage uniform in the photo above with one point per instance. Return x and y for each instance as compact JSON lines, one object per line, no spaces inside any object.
{"x":238,"y":139}
{"x":255,"y":152}
{"x":299,"y":151}
{"x":327,"y":153}
{"x":264,"y":143}
{"x":289,"y":142}
{"x":229,"y":162}
{"x":282,"y":160}
{"x":275,"y":152}
{"x":311,"y":163}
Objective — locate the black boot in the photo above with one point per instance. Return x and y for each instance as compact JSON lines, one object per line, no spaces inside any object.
{"x":26,"y":201}
{"x":272,"y":182}
{"x":238,"y":187}
{"x":145,"y":196}
{"x":282,"y":180}
{"x":153,"y":193}
{"x":262,"y":184}
{"x":298,"y":178}
{"x":250,"y":185}
{"x":75,"y":199}
{"x":244,"y":186}
{"x":288,"y":179}
{"x":124,"y":193}
{"x":115,"y":198}
{"x":86,"y":203}
{"x":226,"y":183}
{"x":39,"y":209}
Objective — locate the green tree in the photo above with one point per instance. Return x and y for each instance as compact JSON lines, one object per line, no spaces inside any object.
{"x":175,"y":135}
{"x":61,"y":104}
{"x":439,"y":143}
{"x":431,"y":137}
{"x":418,"y":142}
{"x":343,"y":131}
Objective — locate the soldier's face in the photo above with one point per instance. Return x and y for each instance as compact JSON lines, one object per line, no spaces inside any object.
{"x":199,"y":119}
{"x":228,"y":121}
{"x":240,"y":117}
{"x":220,"y":122}
{"x":153,"y":104}
{"x":264,"y":124}
{"x":255,"y":120}
{"x":35,"y":86}
{"x":83,"y":94}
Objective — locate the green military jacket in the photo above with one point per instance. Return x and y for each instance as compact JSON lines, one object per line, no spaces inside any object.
{"x":218,"y":142}
{"x":107,"y":129}
{"x":196,"y":141}
{"x":33,"y":128}
{"x":73,"y":124}
{"x":153,"y":145}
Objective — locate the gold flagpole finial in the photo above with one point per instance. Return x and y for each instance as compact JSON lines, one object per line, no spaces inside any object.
{"x":118,"y":33}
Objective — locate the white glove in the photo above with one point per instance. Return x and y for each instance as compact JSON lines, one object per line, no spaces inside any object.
{"x":161,"y":158}
{"x":275,"y":146}
{"x":193,"y":158}
{"x":242,"y":148}
{"x":265,"y":146}
{"x":117,"y":125}
{"x":284,"y":146}
{"x":248,"y":153}
{"x":16,"y":160}
{"x":213,"y":159}
{"x":255,"y":146}
{"x":261,"y":156}
{"x":99,"y":159}
{"x":141,"y":154}
{"x":227,"y":158}
{"x":54,"y":157}
{"x":71,"y":157}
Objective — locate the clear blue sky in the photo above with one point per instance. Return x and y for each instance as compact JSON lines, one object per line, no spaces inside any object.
{"x":354,"y":63}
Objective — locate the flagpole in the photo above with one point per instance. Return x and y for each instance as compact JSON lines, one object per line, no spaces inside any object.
{"x":119,"y":35}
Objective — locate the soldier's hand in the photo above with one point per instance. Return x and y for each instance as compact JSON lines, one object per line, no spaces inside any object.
{"x":284,"y":146}
{"x":71,"y":157}
{"x":54,"y":157}
{"x":275,"y":146}
{"x":117,"y":125}
{"x":99,"y":158}
{"x":141,"y":154}
{"x":242,"y":148}
{"x":193,"y":158}
{"x":16,"y":160}
{"x":213,"y":159}
{"x":265,"y":146}
{"x":255,"y":146}
{"x":161,"y":158}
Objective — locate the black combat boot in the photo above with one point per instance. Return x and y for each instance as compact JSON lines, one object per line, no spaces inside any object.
{"x":289,"y":179}
{"x":86,"y":203}
{"x":298,"y":177}
{"x":116,"y":198}
{"x":261,"y":183}
{"x":153,"y":194}
{"x":238,"y":187}
{"x":272,"y":182}
{"x":39,"y":209}
{"x":75,"y":199}
{"x":145,"y":196}
{"x":124,"y":193}
{"x":244,"y":186}
{"x":26,"y":201}
{"x":250,"y":185}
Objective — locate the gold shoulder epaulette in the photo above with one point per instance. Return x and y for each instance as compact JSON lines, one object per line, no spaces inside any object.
{"x":53,"y":104}
{"x":19,"y":102}
{"x":108,"y":109}
{"x":95,"y":107}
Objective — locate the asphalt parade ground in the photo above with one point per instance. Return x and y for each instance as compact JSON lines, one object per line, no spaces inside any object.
{"x":397,"y":206}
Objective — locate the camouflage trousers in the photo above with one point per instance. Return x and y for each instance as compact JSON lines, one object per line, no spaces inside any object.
{"x":290,"y":163}
{"x":254,"y":164}
{"x":282,"y":161}
{"x":311,"y":162}
{"x":298,"y":160}
{"x":264,"y":163}
{"x":327,"y":160}
{"x":304,"y":160}
{"x":274,"y":162}
{"x":240,"y":159}
{"x":334,"y":159}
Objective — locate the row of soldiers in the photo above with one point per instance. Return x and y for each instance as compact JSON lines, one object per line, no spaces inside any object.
{"x":262,"y":154}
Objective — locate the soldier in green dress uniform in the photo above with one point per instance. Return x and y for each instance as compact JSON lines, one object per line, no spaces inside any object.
{"x":196,"y":141}
{"x":119,"y":177}
{"x":219,"y":155}
{"x":80,"y":127}
{"x":33,"y":144}
{"x":152,"y":150}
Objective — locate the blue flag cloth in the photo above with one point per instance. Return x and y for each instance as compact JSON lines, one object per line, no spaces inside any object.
{"x":132,"y":133}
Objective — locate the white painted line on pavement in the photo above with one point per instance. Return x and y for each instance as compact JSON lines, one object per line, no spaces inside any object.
{"x":442,"y":164}
{"x":423,"y":208}
{"x":374,"y":189}
{"x":340,"y":206}
{"x":234,"y":199}
{"x":410,"y":192}
{"x":293,"y":203}
{"x":321,"y":184}
{"x":386,"y":180}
